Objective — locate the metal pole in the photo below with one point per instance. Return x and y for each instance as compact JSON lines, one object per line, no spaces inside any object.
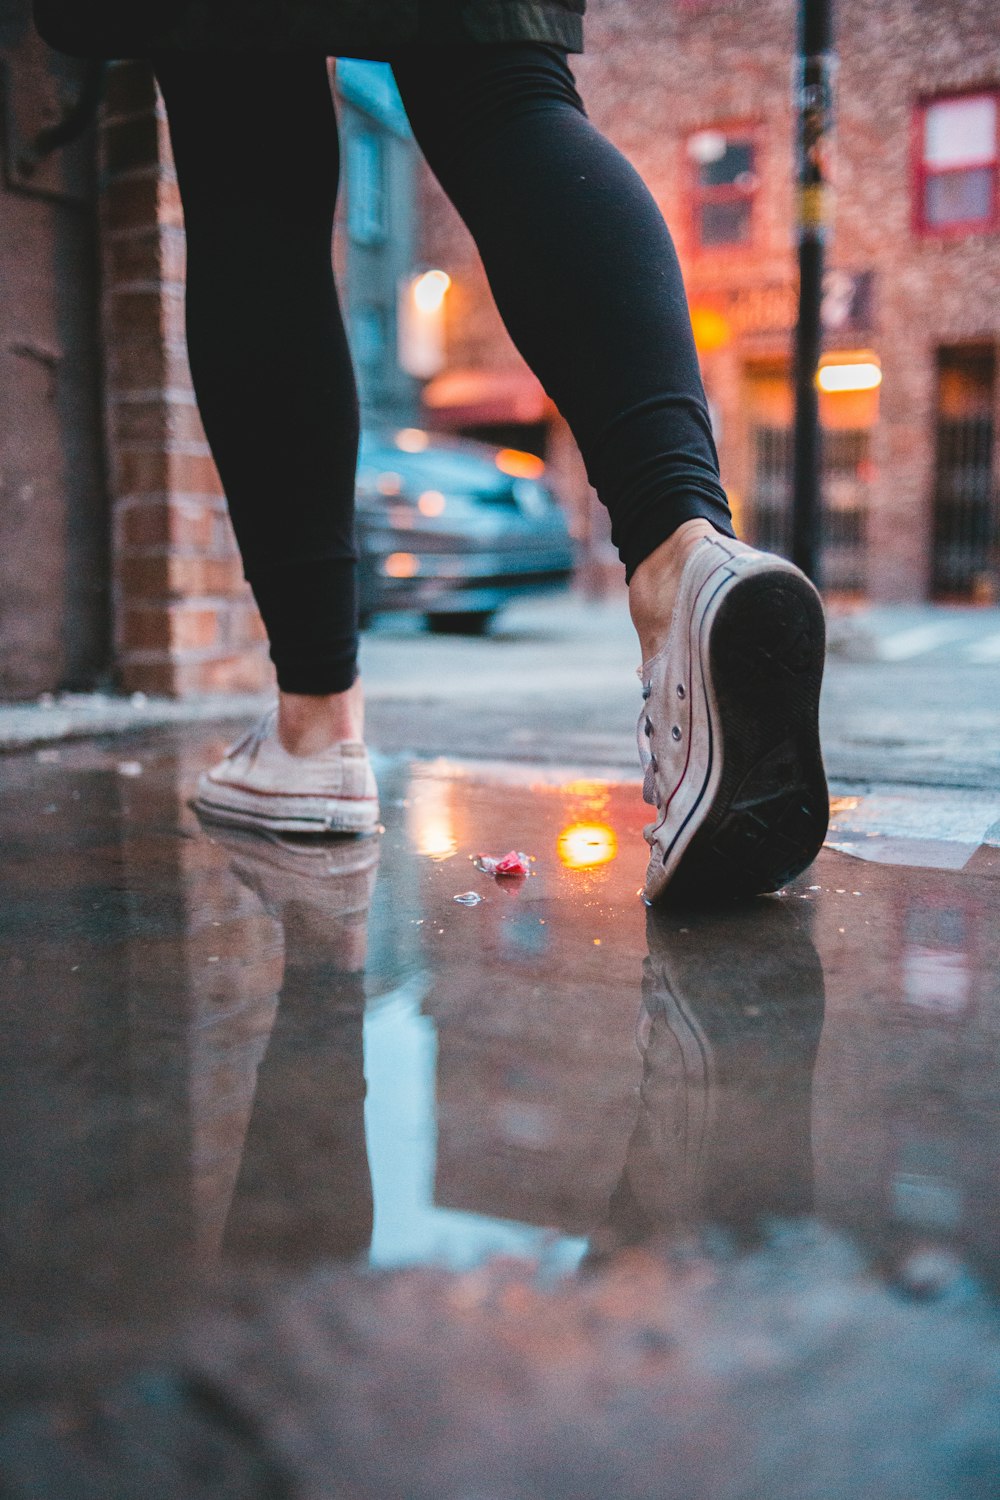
{"x":814,"y":116}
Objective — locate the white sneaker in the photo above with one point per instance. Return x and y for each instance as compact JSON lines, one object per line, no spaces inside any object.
{"x":728,"y":733}
{"x":258,"y":784}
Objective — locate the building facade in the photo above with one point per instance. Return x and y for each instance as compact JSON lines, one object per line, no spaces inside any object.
{"x":54,"y":521}
{"x":118,"y":566}
{"x":698,"y":95}
{"x":375,"y":243}
{"x":117,"y":562}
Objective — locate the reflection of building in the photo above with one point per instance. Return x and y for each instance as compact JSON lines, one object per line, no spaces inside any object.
{"x":375,"y":232}
{"x":698,"y":95}
{"x":904,"y":1131}
{"x":533,"y":997}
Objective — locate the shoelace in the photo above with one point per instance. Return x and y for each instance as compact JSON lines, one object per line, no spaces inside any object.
{"x":647,"y":761}
{"x":251,"y":742}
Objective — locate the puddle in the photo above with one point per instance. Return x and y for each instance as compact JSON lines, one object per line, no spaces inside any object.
{"x":227,"y":1049}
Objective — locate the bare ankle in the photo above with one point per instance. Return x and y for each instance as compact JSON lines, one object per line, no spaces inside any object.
{"x":311,"y":722}
{"x":653,"y":587}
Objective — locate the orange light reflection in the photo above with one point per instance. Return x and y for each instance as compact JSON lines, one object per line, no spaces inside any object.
{"x":584,"y":846}
{"x":519,"y":465}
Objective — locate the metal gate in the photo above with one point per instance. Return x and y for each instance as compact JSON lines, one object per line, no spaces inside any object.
{"x":966,"y":518}
{"x":846,"y":462}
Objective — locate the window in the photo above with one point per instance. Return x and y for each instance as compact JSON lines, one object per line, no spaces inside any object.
{"x":370,"y":339}
{"x":725,"y":182}
{"x":366,"y":197}
{"x":957,"y":161}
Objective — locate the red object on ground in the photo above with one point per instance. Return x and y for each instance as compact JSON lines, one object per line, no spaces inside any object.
{"x":509,"y":864}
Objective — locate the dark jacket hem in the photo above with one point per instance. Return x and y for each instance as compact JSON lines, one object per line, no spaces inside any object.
{"x":64,"y":28}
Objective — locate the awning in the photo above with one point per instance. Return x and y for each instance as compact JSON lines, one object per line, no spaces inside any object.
{"x":483,"y":398}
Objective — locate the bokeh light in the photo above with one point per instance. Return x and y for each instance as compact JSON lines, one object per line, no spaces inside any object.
{"x":584,"y":846}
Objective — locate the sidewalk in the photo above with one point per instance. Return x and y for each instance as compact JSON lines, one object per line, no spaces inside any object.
{"x":912,"y":694}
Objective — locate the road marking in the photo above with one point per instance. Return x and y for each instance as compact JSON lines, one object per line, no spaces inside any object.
{"x":984,"y":651}
{"x":920,"y":639}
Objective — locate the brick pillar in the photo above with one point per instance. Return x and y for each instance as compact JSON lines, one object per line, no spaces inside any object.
{"x":185,"y":622}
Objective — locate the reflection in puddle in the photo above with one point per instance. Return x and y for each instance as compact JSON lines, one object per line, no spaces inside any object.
{"x":723,"y":1135}
{"x":278,"y":1052}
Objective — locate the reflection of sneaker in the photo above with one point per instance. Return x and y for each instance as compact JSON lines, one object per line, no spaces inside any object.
{"x":728,"y":734}
{"x":319,"y":889}
{"x":729,"y":1029}
{"x":303,"y":1193}
{"x":258,"y":784}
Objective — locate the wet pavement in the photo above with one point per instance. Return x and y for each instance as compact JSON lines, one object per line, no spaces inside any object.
{"x":232,"y":1064}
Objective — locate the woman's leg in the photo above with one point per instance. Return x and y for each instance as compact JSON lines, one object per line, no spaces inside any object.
{"x":587,"y":281}
{"x":257,"y":154}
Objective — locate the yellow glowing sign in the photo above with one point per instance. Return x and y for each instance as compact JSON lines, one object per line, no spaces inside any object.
{"x":711,"y":330}
{"x":583,"y":846}
{"x":519,"y":465}
{"x":860,"y":375}
{"x":429,"y":290}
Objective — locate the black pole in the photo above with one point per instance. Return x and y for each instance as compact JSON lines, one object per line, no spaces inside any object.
{"x":814,"y":118}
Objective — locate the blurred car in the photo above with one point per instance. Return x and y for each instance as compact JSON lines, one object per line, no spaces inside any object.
{"x":452,"y":529}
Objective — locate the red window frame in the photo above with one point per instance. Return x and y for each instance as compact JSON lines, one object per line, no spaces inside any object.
{"x":922,"y":173}
{"x":739,"y":132}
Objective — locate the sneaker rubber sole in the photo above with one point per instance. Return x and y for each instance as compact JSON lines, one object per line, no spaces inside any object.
{"x":765,"y":787}
{"x":238,"y":808}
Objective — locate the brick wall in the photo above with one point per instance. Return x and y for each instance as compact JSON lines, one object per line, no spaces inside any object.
{"x":185,"y":622}
{"x":657,"y":70}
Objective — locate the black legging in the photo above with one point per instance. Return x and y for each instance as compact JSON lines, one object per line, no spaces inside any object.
{"x":579,"y":260}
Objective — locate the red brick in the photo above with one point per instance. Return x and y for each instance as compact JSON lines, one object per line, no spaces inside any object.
{"x":135,"y":313}
{"x":140,"y":422}
{"x":168,"y":575}
{"x":132,"y":144}
{"x":130,"y":89}
{"x":157,"y":420}
{"x":134,"y":257}
{"x":170,"y":627}
{"x":182,"y":524}
{"x":155,"y":677}
{"x":156,"y":471}
{"x":244,"y":626}
{"x":131,"y":203}
{"x":174,"y":255}
{"x":169,"y":210}
{"x":147,"y":364}
{"x":195,"y":474}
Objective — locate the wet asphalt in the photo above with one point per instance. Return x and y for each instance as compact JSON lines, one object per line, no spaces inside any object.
{"x":231,"y":1061}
